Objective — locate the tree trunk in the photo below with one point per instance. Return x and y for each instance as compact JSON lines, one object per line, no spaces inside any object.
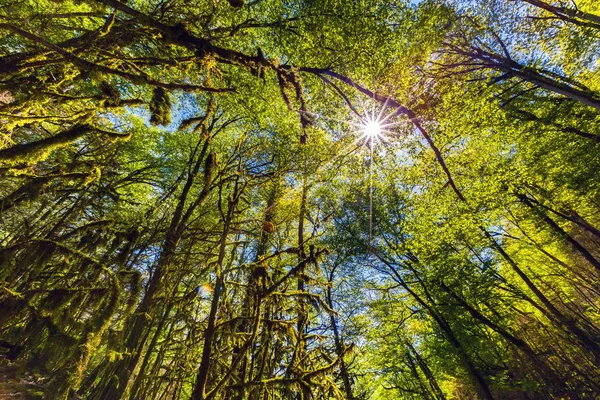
{"x":578,"y":247}
{"x":199,"y":392}
{"x":477,"y":378}
{"x":339,"y":344}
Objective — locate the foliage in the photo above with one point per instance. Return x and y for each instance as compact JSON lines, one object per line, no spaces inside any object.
{"x":188,"y":208}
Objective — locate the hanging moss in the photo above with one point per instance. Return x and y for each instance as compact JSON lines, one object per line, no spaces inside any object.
{"x":94,"y":333}
{"x":112,"y":95}
{"x":56,"y":299}
{"x":237,"y":3}
{"x":209,"y":165}
{"x":130,"y":238}
{"x":135,"y":289}
{"x":160,"y":107}
{"x":29,"y":191}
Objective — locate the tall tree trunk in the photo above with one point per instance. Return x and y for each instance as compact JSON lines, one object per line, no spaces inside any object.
{"x":338,"y":341}
{"x":437,"y":391}
{"x":578,"y":247}
{"x":256,"y":282}
{"x":412,"y":364}
{"x":199,"y":392}
{"x":476,"y":376}
{"x":138,"y":330}
{"x":302,"y":313}
{"x":141,"y":373}
{"x":547,"y":373}
{"x":552,"y":312}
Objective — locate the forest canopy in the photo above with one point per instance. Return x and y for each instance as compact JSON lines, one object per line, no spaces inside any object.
{"x":297,"y":200}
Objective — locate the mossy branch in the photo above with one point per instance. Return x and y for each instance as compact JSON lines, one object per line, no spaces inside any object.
{"x":39,"y":150}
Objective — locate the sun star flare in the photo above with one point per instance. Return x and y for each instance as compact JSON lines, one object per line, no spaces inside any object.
{"x":372,"y":129}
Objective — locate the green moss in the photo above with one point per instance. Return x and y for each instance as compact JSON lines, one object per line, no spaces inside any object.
{"x":31,"y":153}
{"x":160,"y":107}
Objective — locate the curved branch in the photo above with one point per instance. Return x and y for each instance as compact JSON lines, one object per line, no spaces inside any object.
{"x":400,"y":109}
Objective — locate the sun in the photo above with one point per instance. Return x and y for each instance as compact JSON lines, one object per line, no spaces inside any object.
{"x":375,"y":124}
{"x":372,"y":129}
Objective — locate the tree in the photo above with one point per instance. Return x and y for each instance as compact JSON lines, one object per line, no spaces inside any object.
{"x":191,"y":207}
